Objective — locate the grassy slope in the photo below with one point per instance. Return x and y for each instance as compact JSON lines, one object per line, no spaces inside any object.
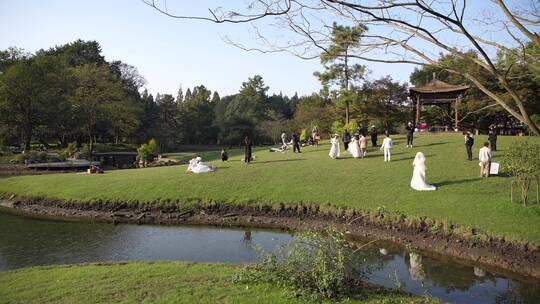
{"x":312,"y":177}
{"x":162,"y":282}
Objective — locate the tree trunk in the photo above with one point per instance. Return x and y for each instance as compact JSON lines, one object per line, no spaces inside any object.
{"x":27,"y":138}
{"x":90,"y":146}
{"x":347,"y":118}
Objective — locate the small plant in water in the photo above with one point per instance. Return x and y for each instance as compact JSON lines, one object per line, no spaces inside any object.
{"x":316,"y":265}
{"x":398,"y":285}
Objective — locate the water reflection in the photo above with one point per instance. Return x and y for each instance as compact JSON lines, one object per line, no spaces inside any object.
{"x":26,"y":242}
{"x":448,"y":280}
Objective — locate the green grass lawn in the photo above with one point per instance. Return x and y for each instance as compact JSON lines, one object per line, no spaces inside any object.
{"x":160,"y":282}
{"x":462,"y":197}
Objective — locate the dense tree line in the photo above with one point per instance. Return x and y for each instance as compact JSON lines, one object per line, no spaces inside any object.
{"x":70,"y":93}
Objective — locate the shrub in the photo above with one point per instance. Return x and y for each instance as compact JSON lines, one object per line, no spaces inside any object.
{"x":521,"y":161}
{"x":303,"y":135}
{"x":153,"y":147}
{"x":70,"y":150}
{"x":315,"y":265}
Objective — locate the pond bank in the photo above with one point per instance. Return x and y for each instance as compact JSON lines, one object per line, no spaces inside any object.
{"x":491,"y":252}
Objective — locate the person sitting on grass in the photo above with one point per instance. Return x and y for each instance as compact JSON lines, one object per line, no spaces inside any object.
{"x":386,"y":147}
{"x":224,"y":155}
{"x":484,"y":155}
{"x":197,"y":166}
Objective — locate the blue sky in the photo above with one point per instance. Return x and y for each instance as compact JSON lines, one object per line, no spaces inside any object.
{"x":167,"y":52}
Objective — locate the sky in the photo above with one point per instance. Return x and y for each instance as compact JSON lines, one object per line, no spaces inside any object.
{"x":168,"y":52}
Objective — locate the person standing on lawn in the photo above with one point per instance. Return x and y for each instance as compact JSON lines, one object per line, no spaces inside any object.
{"x":484,"y":155}
{"x":410,"y":134}
{"x":283,"y":141}
{"x":469,"y":142}
{"x":247,"y":150}
{"x":363,"y":145}
{"x":492,"y":137}
{"x":373,"y":136}
{"x":334,"y":150}
{"x":296,"y":142}
{"x":316,"y":135}
{"x":346,"y":139}
{"x":386,"y":147}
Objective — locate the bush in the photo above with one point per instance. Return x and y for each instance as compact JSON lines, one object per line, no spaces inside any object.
{"x":315,"y":265}
{"x":70,"y":150}
{"x":339,"y":127}
{"x":147,"y":152}
{"x":153,"y":147}
{"x":521,"y":161}
{"x":33,"y":156}
{"x":303,"y":135}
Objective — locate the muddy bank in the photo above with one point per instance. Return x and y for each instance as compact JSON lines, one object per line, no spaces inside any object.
{"x":487,"y":251}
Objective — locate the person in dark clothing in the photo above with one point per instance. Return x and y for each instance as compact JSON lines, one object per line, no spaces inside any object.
{"x":247,"y":150}
{"x":469,"y":142}
{"x":346,"y":139}
{"x":224,"y":155}
{"x":296,"y":143}
{"x":410,"y":134}
{"x":373,"y":134}
{"x":492,"y":137}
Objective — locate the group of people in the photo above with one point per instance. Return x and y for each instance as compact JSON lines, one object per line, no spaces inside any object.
{"x":484,"y":154}
{"x":357,"y":145}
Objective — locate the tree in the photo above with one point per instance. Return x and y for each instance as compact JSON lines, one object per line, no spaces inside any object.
{"x":180,"y":96}
{"x":188,"y":95}
{"x":215,"y":97}
{"x":244,"y":112}
{"x":77,"y":53}
{"x":407,"y":32}
{"x":26,"y":89}
{"x":197,"y":116}
{"x":338,"y":69}
{"x":386,"y":100}
{"x":168,"y":122}
{"x":96,"y":93}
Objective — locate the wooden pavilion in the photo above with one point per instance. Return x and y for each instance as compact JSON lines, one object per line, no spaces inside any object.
{"x":438,"y":93}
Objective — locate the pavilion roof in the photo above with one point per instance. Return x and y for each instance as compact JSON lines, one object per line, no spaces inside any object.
{"x":438,"y":86}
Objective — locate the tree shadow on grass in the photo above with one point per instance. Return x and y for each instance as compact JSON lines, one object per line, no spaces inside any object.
{"x":411,"y":158}
{"x":433,"y":144}
{"x":455,"y":182}
{"x":276,"y":161}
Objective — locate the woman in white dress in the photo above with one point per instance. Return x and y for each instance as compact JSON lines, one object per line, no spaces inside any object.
{"x":334,"y":151}
{"x":418,"y":181}
{"x":354,"y":147}
{"x":197,"y":166}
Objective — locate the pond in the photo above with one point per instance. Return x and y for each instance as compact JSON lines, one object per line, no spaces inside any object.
{"x":28,"y":242}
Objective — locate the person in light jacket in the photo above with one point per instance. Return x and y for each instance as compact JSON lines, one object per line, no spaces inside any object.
{"x":484,"y":155}
{"x":387,"y":147}
{"x":363,"y":145}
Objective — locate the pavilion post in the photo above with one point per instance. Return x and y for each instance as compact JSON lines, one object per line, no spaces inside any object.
{"x":418,"y":106}
{"x":456,"y":114}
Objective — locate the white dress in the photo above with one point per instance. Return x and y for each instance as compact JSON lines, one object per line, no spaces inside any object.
{"x":334,"y":151}
{"x":354,"y":148}
{"x":197,"y":166}
{"x":418,"y":181}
